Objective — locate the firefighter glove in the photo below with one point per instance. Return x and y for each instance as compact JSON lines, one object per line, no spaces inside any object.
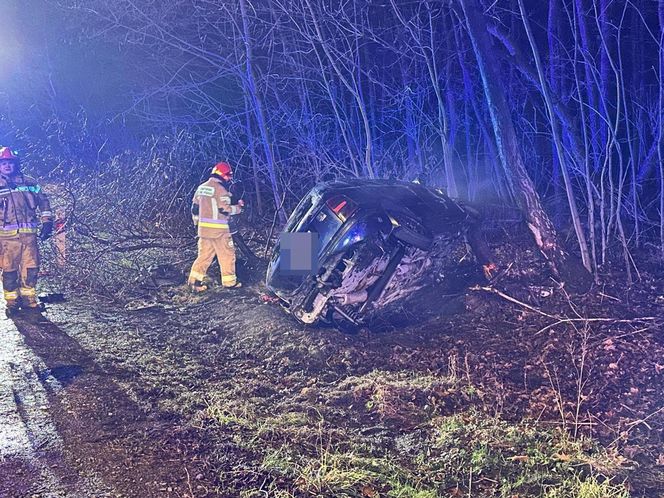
{"x":46,"y":231}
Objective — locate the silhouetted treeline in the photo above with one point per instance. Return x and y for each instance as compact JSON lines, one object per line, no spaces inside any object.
{"x":298,"y":91}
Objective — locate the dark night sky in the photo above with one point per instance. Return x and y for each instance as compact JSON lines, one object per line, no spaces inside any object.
{"x":48,"y":67}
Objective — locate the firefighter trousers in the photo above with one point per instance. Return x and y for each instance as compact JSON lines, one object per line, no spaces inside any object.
{"x":20,"y":267}
{"x":223,"y":248}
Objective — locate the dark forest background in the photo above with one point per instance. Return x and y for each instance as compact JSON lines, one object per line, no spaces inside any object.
{"x":549,"y":111}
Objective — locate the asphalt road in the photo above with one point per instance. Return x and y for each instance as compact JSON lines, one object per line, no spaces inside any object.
{"x":68,"y":428}
{"x":32,"y":462}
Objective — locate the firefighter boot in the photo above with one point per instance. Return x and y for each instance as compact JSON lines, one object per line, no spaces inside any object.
{"x":29,"y":299}
{"x":12,"y":307}
{"x":10,"y":284}
{"x":28,"y":289}
{"x":197,"y":287}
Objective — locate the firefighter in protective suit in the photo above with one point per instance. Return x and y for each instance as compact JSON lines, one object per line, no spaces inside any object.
{"x":210,"y":209}
{"x":21,"y":200}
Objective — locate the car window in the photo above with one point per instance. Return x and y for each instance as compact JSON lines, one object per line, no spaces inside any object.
{"x":326,"y":224}
{"x":341,"y":206}
{"x":297,"y":216}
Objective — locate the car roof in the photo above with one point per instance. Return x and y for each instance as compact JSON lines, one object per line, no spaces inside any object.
{"x":394,"y":194}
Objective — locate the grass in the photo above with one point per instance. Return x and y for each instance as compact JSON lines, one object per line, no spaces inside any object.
{"x":591,"y":487}
{"x":345,"y":474}
{"x":525,"y":459}
{"x":306,"y":452}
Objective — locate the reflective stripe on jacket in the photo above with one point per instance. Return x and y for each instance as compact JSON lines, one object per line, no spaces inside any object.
{"x":214,"y":206}
{"x":20,"y":199}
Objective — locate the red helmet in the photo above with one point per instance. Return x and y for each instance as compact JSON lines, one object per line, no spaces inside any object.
{"x":222,"y":169}
{"x":7,"y":153}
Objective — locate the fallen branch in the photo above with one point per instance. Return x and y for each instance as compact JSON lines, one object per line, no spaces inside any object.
{"x":559,"y":319}
{"x":634,"y":423}
{"x":512,"y":300}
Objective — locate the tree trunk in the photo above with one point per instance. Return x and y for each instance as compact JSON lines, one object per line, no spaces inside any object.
{"x":257,"y":104}
{"x":353,"y":87}
{"x":502,"y":188}
{"x":555,"y":76}
{"x":428,"y":53}
{"x":508,"y":147}
{"x":557,"y":140}
{"x":410,"y":125}
{"x":450,"y":181}
{"x":254,"y":159}
{"x":660,"y":155}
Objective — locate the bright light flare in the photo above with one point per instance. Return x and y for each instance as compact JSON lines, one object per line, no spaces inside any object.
{"x":10,"y":43}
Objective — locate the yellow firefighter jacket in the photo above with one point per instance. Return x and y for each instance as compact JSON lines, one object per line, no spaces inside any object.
{"x":20,"y":198}
{"x":211,"y":208}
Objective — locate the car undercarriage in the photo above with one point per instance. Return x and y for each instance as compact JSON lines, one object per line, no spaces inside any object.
{"x":395,"y":254}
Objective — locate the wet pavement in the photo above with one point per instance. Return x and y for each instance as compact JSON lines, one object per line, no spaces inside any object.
{"x":32,"y":462}
{"x":67,"y":429}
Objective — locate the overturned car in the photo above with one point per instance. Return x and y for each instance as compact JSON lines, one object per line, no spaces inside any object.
{"x":377,"y":242}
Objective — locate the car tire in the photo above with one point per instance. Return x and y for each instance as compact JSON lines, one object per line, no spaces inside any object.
{"x":413,"y":238}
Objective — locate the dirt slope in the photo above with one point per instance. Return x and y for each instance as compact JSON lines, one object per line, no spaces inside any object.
{"x":221,"y":395}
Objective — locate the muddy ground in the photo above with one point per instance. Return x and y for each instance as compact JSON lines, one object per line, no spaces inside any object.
{"x":513,"y":389}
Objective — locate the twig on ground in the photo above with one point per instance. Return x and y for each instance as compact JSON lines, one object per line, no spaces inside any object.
{"x":191,"y":489}
{"x":609,"y":297}
{"x":511,"y":299}
{"x":560,"y":319}
{"x":643,"y":420}
{"x":628,"y":334}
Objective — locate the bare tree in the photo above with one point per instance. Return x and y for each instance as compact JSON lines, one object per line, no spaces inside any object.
{"x":557,"y":140}
{"x":301,"y":91}
{"x":539,"y":223}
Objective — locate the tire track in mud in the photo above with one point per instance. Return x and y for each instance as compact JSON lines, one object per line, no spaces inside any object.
{"x":68,"y":429}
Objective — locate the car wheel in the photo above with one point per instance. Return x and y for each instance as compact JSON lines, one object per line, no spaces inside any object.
{"x":413,"y":234}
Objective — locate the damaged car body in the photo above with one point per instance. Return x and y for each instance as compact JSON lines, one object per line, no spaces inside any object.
{"x":378,"y":242}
